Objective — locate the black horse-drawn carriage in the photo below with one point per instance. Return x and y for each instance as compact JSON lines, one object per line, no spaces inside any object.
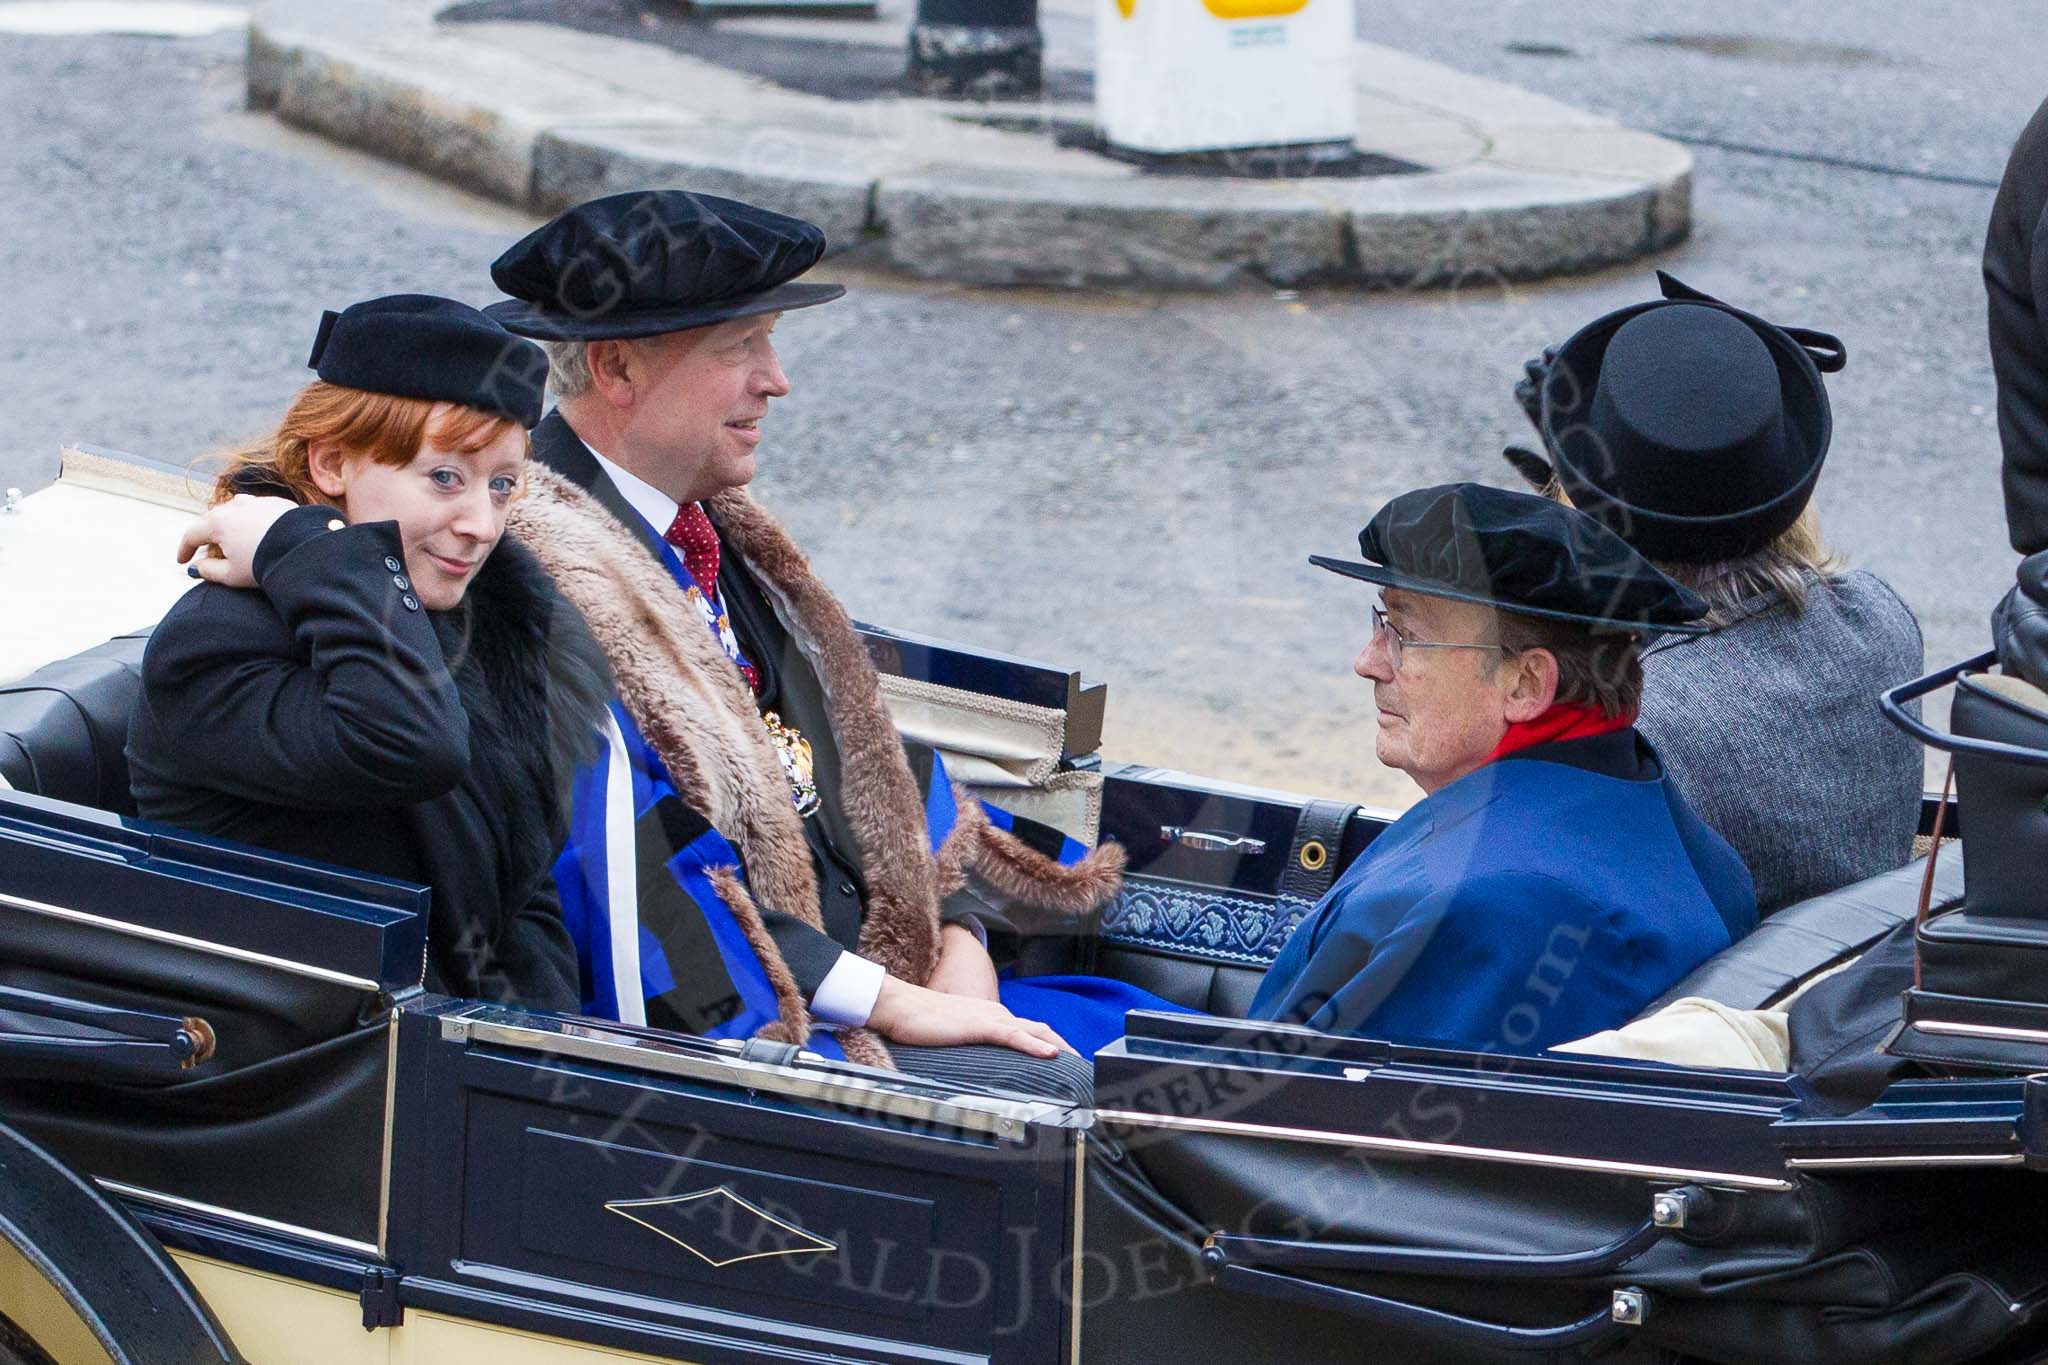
{"x":236,"y":1127}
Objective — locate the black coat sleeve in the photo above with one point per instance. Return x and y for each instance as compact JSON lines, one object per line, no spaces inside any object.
{"x":2016,"y":288}
{"x":809,"y":953}
{"x":535,"y":957}
{"x":351,"y":705}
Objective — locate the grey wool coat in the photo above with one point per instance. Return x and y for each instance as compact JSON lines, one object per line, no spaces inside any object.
{"x":1770,"y":728}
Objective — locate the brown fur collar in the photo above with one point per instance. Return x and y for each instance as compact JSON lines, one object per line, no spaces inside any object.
{"x":900,"y":927}
{"x":695,"y":710}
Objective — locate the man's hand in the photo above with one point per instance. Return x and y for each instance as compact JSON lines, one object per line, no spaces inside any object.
{"x":235,"y":529}
{"x":965,"y":968}
{"x":925,"y":1018}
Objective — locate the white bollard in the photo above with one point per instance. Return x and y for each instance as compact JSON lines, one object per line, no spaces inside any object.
{"x":1175,"y":77}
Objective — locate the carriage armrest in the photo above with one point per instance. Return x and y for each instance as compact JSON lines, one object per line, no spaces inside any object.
{"x":70,"y":877}
{"x":63,"y":727}
{"x":1017,"y":734}
{"x":897,"y":654}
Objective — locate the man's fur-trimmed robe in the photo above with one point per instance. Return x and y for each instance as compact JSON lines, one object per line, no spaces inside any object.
{"x":681,"y":696}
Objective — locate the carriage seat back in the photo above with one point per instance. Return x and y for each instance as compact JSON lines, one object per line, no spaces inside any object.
{"x":2003,"y":804}
{"x":1789,"y":947}
{"x":64,"y":727}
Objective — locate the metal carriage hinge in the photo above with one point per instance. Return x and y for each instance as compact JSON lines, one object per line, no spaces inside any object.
{"x":379,"y":1297}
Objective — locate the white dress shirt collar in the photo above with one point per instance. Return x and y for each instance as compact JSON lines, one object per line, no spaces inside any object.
{"x":655,"y":507}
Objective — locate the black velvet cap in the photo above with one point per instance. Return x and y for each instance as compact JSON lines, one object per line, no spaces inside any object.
{"x":654,"y":261}
{"x":1518,"y":552}
{"x":1692,"y":429}
{"x":419,"y":346}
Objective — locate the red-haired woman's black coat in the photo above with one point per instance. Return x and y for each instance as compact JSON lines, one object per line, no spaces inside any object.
{"x":328,"y":715}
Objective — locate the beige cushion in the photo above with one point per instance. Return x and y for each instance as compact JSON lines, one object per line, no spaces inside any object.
{"x":1697,"y":1031}
{"x":2018,"y":691}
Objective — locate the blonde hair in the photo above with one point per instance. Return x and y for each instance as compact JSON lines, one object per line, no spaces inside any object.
{"x":1786,"y":569}
{"x":383,"y":426}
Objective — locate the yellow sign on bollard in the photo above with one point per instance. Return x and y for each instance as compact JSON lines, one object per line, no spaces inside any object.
{"x":1253,"y":9}
{"x":1173,"y":78}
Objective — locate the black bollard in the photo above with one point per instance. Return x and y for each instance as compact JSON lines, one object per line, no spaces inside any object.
{"x":976,"y":49}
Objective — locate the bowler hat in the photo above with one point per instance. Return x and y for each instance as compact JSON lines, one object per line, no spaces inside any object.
{"x":1518,"y":552}
{"x":654,"y":261}
{"x":420,"y":346}
{"x":1693,"y":430}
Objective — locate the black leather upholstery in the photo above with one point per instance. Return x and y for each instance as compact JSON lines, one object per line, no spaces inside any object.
{"x":2019,"y":624}
{"x":1211,"y":987}
{"x":2003,"y":803}
{"x":63,"y":727}
{"x":1803,"y":938}
{"x":1996,"y":947}
{"x":285,"y":1120}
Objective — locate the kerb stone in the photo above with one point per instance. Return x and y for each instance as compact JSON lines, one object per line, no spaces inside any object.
{"x":776,"y":171}
{"x":975,"y":225}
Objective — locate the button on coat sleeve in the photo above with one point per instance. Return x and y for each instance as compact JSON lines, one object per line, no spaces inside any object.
{"x":336,"y":697}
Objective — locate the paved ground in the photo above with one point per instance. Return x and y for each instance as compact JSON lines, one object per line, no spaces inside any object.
{"x":1129,"y":484}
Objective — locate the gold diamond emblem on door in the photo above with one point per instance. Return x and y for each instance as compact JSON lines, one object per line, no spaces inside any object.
{"x":720,"y":1228}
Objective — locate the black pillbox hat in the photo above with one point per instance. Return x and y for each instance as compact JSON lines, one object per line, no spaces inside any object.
{"x":1522,"y":553}
{"x":420,"y":346}
{"x":654,"y":261}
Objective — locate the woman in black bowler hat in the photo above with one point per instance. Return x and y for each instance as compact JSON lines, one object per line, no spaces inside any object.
{"x":371,"y":673}
{"x":1696,"y":432}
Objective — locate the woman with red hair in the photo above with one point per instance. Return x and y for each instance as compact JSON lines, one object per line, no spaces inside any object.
{"x":371,"y":672}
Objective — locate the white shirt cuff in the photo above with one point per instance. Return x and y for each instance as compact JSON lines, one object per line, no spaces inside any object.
{"x":847,"y":995}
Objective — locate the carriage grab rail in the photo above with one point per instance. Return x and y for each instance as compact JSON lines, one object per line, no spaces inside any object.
{"x":1224,"y":1249}
{"x":1893,"y":704}
{"x":44,"y":1035}
{"x":1626,"y":1308}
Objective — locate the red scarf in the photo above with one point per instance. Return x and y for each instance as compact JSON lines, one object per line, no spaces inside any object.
{"x":1565,"y":720}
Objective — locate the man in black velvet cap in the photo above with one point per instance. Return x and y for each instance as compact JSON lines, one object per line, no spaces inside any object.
{"x":1552,"y":882}
{"x":750,"y":733}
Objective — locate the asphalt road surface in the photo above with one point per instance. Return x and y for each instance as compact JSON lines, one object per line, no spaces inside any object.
{"x":1125,"y":484}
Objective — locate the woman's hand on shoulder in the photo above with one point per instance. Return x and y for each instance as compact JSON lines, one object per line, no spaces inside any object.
{"x":918,"y":1017}
{"x":234,"y":529}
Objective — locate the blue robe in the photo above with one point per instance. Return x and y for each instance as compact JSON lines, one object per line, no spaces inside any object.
{"x":624,"y":936}
{"x":1548,"y":895}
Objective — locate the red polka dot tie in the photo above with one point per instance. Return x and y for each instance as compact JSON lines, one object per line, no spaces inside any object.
{"x":693,"y":534}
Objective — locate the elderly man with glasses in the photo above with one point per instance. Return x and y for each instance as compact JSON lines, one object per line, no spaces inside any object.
{"x":1552,"y":881}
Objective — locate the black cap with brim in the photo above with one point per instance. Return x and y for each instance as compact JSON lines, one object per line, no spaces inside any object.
{"x":1376,"y":573}
{"x":654,"y":261}
{"x":1520,"y":553}
{"x":626,"y":324}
